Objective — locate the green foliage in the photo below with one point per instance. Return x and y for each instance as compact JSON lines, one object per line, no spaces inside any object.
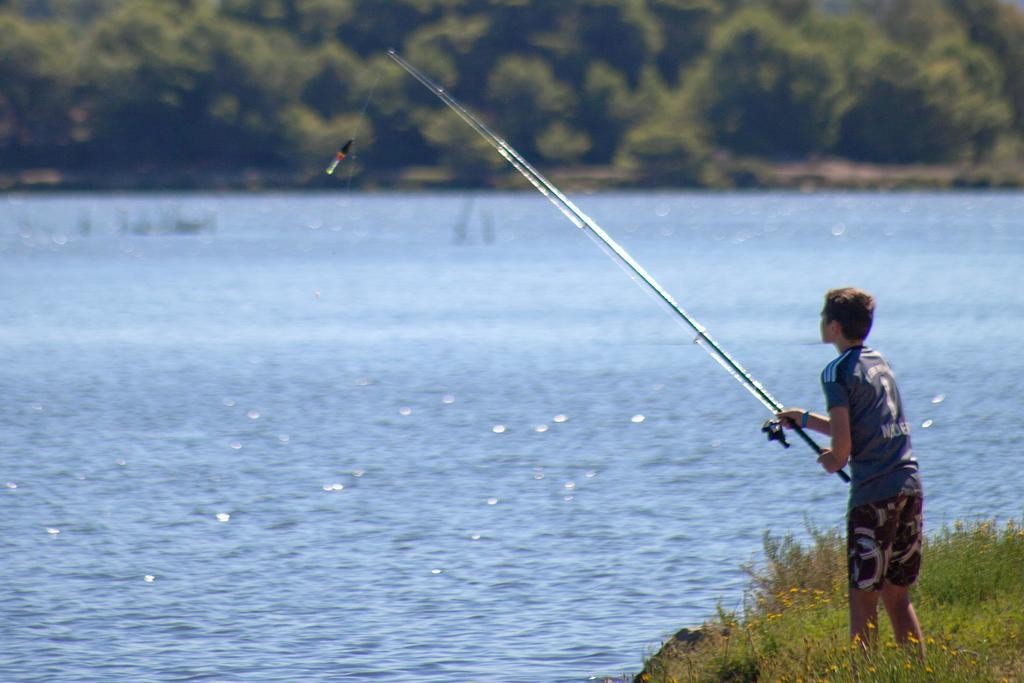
{"x":76,"y":11}
{"x":665,"y":149}
{"x":763,"y":89}
{"x":338,"y":82}
{"x":441,"y":46}
{"x":788,"y":564}
{"x":666,"y":141}
{"x":375,"y":26}
{"x":144,"y":66}
{"x":970,"y":600}
{"x":558,"y":142}
{"x":469,"y":155}
{"x":622,"y":32}
{"x":312,"y":21}
{"x":939,"y":108}
{"x":523,"y":91}
{"x":222,"y":92}
{"x":608,"y":106}
{"x":971,"y":82}
{"x":35,"y":87}
{"x":913,"y":23}
{"x":686,"y":27}
{"x":979,"y":563}
{"x":318,"y":137}
{"x":893,"y":118}
{"x":664,"y":90}
{"x":999,"y":29}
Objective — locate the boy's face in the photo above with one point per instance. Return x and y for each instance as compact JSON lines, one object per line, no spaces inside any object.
{"x":829,"y":329}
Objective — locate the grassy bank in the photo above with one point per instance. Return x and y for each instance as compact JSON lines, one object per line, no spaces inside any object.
{"x":970,"y":599}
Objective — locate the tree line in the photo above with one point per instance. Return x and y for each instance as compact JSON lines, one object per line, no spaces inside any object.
{"x":654,"y":87}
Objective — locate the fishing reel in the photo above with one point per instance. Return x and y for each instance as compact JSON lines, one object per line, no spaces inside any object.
{"x":773,"y":429}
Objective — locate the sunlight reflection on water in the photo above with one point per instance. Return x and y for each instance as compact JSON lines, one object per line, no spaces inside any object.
{"x":376,"y":527}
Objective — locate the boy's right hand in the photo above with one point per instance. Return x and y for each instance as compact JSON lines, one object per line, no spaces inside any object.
{"x":790,"y":417}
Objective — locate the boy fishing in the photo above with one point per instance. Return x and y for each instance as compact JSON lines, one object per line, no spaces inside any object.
{"x":869,"y":430}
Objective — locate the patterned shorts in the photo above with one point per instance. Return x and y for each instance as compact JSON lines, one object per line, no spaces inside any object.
{"x":883,"y":542}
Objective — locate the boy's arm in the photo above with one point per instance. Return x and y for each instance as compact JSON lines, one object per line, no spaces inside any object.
{"x":835,"y":458}
{"x":813,"y":421}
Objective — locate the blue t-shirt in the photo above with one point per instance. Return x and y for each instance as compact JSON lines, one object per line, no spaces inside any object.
{"x":882,"y":464}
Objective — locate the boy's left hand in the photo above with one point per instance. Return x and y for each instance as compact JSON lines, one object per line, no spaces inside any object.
{"x":827,"y":461}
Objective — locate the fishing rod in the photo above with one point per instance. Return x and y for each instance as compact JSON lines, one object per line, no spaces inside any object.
{"x":581,"y":220}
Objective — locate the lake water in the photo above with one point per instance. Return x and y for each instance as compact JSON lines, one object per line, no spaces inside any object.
{"x":443,"y":437}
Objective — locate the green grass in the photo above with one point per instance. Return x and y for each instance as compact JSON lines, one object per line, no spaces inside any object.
{"x":970,"y":600}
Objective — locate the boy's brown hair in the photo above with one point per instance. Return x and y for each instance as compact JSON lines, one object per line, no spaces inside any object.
{"x":852,"y":308}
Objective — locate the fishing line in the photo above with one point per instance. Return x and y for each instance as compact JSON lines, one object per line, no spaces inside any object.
{"x":355,"y":133}
{"x":616,"y":252}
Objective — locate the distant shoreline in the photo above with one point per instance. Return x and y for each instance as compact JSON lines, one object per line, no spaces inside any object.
{"x":817,"y":174}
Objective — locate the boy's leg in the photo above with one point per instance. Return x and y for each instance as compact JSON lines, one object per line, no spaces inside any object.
{"x":902,"y":615}
{"x":904,"y":566}
{"x":866,"y":567}
{"x":863,"y":615}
